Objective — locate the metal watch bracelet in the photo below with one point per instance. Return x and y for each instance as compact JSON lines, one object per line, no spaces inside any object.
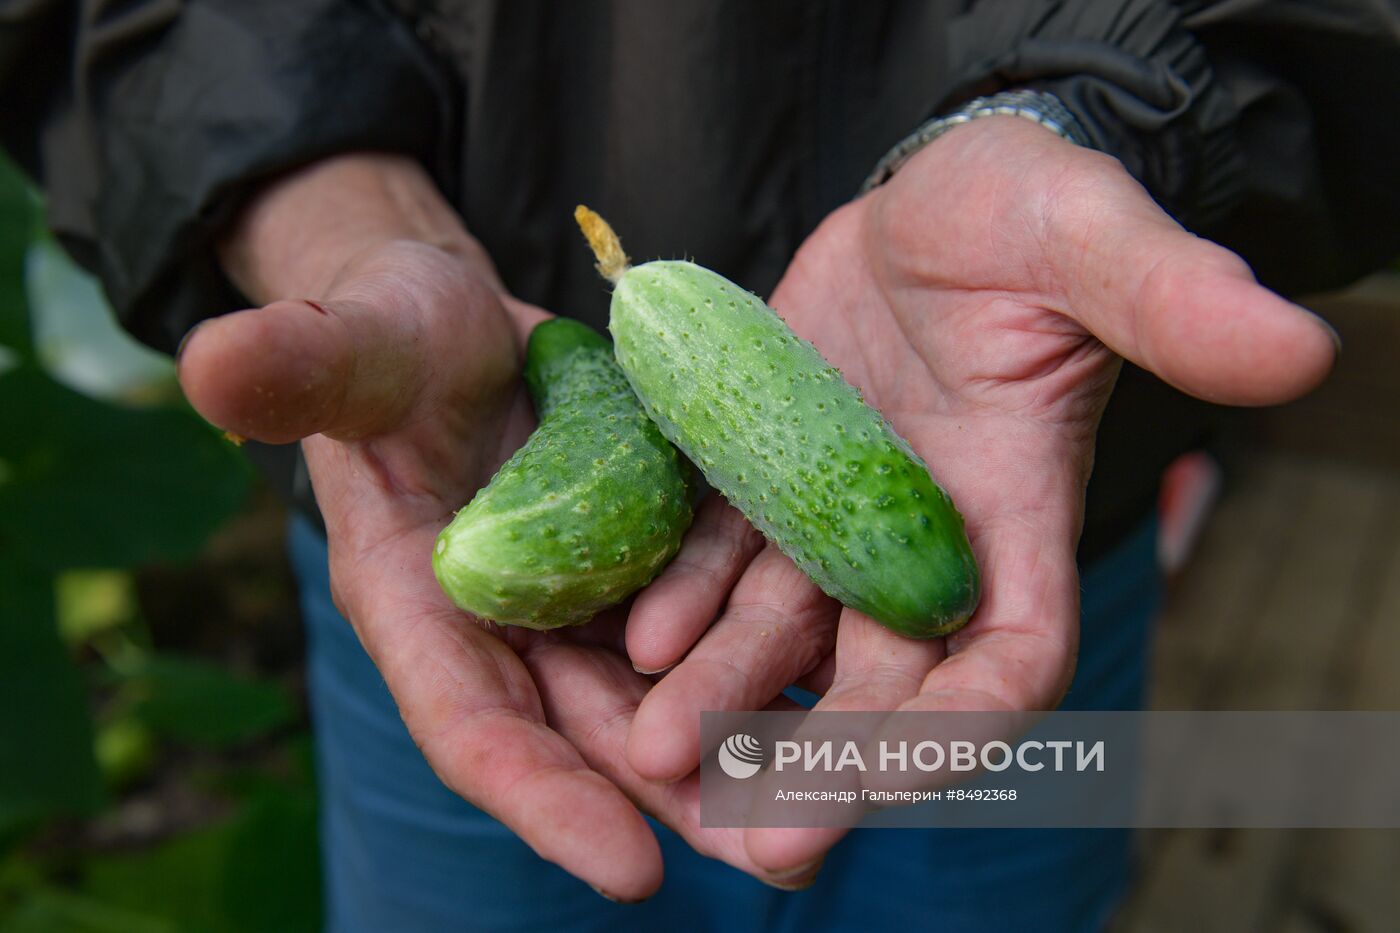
{"x":1036,"y":106}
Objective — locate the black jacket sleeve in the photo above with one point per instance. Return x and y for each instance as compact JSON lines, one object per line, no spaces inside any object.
{"x":148,"y":121}
{"x":1271,"y":127}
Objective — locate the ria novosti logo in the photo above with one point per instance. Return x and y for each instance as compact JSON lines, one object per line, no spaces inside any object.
{"x":741,"y":756}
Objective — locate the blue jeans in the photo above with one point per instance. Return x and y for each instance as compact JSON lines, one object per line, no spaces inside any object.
{"x":402,"y":853}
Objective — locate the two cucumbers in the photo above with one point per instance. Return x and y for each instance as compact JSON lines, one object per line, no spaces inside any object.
{"x":770,"y":423}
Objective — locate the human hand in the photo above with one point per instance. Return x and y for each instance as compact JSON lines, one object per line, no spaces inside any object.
{"x":982,"y":299}
{"x":389,"y":347}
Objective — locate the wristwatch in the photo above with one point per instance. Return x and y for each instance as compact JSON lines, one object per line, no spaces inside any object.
{"x":1036,"y":106}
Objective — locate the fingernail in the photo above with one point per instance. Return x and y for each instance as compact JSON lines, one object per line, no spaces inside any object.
{"x":185,"y":341}
{"x":795,"y":879}
{"x":659,"y":670}
{"x":616,"y":900}
{"x":1331,"y":331}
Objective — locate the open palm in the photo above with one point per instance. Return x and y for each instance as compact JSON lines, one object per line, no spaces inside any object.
{"x":402,"y":381}
{"x":982,"y":300}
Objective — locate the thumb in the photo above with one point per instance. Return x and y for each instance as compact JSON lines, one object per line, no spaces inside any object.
{"x":296,"y":368}
{"x":1191,"y":312}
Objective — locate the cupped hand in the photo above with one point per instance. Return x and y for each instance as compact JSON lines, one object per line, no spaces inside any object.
{"x":982,"y":299}
{"x":396,"y":363}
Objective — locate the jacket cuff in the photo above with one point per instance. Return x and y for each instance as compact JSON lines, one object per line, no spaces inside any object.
{"x":229,"y":94}
{"x":1139,"y":84}
{"x":1037,"y":106}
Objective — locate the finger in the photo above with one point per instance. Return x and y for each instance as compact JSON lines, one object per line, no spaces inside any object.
{"x":407,"y":329}
{"x":590,"y":695}
{"x":275,"y":374}
{"x":471,"y":705}
{"x":778,"y":626}
{"x":819,"y":679}
{"x":1017,"y":653}
{"x":1184,"y":308}
{"x":671,"y":614}
{"x":876,"y":670}
{"x":606,"y":630}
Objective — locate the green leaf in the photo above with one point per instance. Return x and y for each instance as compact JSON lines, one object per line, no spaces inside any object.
{"x":126,"y":750}
{"x":93,"y":601}
{"x":18,"y":223}
{"x":204,"y":704}
{"x":76,"y":335}
{"x":257,"y":872}
{"x":273,"y":880}
{"x":180,"y":881}
{"x":20,"y":875}
{"x":88,"y":484}
{"x":46,"y":758}
{"x":48,"y":911}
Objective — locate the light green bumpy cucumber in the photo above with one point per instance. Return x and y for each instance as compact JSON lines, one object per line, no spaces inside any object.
{"x":583,"y":515}
{"x":789,"y":442}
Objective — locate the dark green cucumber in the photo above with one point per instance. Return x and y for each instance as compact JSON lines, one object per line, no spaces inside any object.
{"x":584,"y":514}
{"x":791,"y":444}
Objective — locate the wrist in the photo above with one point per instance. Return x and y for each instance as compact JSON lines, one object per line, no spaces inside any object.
{"x":1036,"y":107}
{"x":296,"y":235}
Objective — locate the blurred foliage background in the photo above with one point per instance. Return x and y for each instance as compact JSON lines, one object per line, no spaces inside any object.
{"x":155,"y":766}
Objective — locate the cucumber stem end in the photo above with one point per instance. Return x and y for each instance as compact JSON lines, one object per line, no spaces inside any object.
{"x":612,"y":261}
